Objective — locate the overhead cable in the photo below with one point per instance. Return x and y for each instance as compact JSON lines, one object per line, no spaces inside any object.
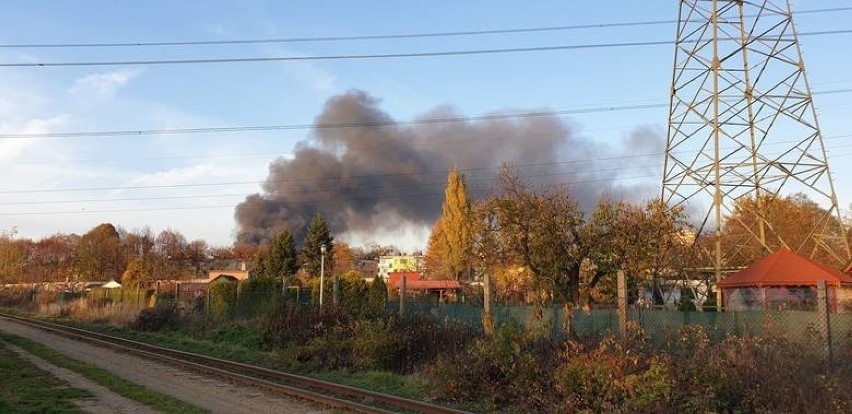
{"x":368,"y":37}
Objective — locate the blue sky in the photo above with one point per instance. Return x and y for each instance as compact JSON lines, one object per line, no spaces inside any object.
{"x":34,"y":100}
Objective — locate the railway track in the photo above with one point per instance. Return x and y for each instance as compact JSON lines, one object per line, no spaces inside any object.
{"x":319,"y":391}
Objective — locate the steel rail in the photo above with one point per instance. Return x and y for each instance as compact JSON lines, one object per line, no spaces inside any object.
{"x":323,"y":392}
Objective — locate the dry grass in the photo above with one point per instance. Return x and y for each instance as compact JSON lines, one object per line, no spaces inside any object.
{"x":115,"y":314}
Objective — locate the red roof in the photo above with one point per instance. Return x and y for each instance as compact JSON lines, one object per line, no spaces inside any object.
{"x":785,"y":268}
{"x":415,"y":281}
{"x":433,"y":284}
{"x":395,"y":277}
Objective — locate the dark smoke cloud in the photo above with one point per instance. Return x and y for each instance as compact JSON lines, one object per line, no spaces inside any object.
{"x":368,"y":178}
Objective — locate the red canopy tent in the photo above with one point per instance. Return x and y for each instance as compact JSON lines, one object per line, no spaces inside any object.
{"x":783,"y":280}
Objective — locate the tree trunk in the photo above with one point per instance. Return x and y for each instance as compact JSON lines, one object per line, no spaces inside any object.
{"x":574,"y":282}
{"x":594,"y":282}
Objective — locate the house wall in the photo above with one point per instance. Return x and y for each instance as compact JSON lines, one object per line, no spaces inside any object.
{"x":390,"y":264}
{"x":237,"y":274}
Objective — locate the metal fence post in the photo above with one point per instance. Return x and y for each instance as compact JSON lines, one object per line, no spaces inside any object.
{"x":823,"y":310}
{"x":622,"y":304}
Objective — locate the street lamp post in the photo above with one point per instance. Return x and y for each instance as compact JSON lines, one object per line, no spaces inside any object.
{"x":322,"y":272}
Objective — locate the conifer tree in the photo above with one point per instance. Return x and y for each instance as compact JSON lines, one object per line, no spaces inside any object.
{"x":318,"y":234}
{"x":280,"y":261}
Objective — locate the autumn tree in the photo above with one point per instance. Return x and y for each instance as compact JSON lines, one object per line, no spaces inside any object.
{"x":197,"y":252}
{"x":434,"y":262}
{"x":451,"y":243}
{"x":789,"y":222}
{"x":648,"y":242}
{"x":344,"y":258}
{"x":170,"y":246}
{"x":317,"y":235}
{"x":52,"y":258}
{"x":139,"y":244}
{"x":13,"y":257}
{"x":540,"y":229}
{"x":99,"y":254}
{"x":138,"y":272}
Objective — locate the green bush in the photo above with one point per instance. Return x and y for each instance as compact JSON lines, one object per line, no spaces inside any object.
{"x":239,"y":335}
{"x":377,"y":296}
{"x":375,"y":345}
{"x":223,"y":298}
{"x":257,"y":295}
{"x":330,"y":350}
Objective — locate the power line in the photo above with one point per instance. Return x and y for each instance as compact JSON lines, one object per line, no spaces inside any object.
{"x":441,"y":53}
{"x":305,"y":126}
{"x":368,"y":37}
{"x":292,"y":180}
{"x":409,"y":196}
{"x":39,"y":213}
{"x":314,"y":181}
{"x":331,"y":184}
{"x":416,"y":195}
{"x":251,"y":128}
{"x":337,"y":38}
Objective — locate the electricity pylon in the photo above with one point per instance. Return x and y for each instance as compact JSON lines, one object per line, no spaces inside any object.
{"x":742,"y":124}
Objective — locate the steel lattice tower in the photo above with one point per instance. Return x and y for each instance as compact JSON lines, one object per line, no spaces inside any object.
{"x":742,"y":123}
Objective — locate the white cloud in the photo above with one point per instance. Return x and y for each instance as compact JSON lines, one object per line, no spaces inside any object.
{"x":12,"y":148}
{"x":176,"y":176}
{"x":102,"y":85}
{"x":315,"y":77}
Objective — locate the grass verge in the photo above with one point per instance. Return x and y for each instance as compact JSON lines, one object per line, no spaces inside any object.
{"x":29,"y":389}
{"x":408,"y":386}
{"x":121,"y":386}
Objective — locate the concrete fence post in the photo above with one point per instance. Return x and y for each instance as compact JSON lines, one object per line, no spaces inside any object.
{"x":335,"y":290}
{"x":402,"y":295}
{"x":487,"y":317}
{"x":823,"y":310}
{"x":622,"y":304}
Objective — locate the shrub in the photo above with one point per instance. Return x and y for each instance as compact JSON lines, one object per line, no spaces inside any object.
{"x":511,"y":368}
{"x":223,"y":298}
{"x":688,"y":373}
{"x":257,"y":295}
{"x":289,"y":325}
{"x":155,"y":319}
{"x":383,"y":341}
{"x":238,"y":335}
{"x":375,"y":345}
{"x":330,"y":350}
{"x":377,"y":296}
{"x":18,"y":298}
{"x":612,"y":378}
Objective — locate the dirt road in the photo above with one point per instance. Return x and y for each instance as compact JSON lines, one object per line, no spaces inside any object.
{"x":200,"y":390}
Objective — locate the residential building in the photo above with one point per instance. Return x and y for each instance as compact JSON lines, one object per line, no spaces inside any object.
{"x":402,"y":263}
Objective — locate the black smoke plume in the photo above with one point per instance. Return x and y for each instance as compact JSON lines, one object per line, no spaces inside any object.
{"x":379,"y":174}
